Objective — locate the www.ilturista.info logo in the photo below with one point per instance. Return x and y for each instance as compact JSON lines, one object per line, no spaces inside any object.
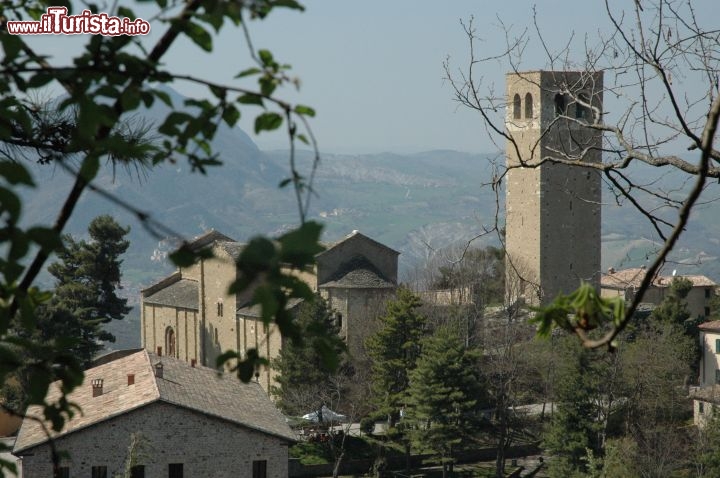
{"x":57,"y":22}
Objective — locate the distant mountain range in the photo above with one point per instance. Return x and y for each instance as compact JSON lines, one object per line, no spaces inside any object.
{"x":416,"y":203}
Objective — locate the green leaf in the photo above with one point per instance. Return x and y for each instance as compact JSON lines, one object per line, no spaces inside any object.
{"x":185,"y":256}
{"x":266,"y":57}
{"x":126,"y":12}
{"x":304,"y":110}
{"x":299,"y":247}
{"x":250,"y":99}
{"x":199,"y":36}
{"x":248,"y":72}
{"x":90,"y":167}
{"x":268,"y":121}
{"x":10,"y":203}
{"x":15,"y":173}
{"x":46,"y":237}
{"x":163,"y":96}
{"x":231,"y":115}
{"x":302,"y":138}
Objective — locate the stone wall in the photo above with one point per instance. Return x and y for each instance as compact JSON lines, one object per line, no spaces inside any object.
{"x":157,"y":319}
{"x":206,"y":446}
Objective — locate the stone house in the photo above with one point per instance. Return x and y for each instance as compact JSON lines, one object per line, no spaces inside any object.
{"x":624,"y":283}
{"x":159,"y":416}
{"x":706,"y":397}
{"x":190,"y":314}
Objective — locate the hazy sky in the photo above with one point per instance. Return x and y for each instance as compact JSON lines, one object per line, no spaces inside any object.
{"x":373,"y":69}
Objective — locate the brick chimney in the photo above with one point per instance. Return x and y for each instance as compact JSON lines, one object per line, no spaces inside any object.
{"x":159,"y":370}
{"x":97,"y":387}
{"x":131,"y":379}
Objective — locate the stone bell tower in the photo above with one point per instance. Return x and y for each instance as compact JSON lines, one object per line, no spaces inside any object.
{"x":552,"y":209}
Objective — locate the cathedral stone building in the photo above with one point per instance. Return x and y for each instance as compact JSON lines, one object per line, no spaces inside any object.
{"x":552,"y":209}
{"x":190,"y":314}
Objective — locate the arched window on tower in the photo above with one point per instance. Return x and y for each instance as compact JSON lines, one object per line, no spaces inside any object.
{"x":170,"y":342}
{"x":559,"y":104}
{"x":516,"y":106}
{"x":528,"y":106}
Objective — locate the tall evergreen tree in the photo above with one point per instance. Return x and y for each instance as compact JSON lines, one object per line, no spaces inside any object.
{"x":306,"y":379}
{"x":393,"y":351}
{"x":445,"y":396}
{"x":85,"y":296}
{"x":576,"y":426}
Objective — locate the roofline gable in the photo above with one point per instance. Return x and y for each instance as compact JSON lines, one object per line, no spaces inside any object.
{"x":356,"y":235}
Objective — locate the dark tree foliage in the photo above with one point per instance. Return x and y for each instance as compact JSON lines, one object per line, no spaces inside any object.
{"x":394,"y":351}
{"x":306,"y":380}
{"x":674,"y":310}
{"x":85,"y":298}
{"x":106,"y":81}
{"x":576,"y":425}
{"x":445,"y":396}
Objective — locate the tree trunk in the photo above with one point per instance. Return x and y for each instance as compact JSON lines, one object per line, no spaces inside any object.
{"x":338,"y":461}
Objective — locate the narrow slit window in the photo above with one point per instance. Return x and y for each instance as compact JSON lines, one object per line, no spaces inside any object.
{"x":559,"y":105}
{"x":516,"y":106}
{"x":528,"y":106}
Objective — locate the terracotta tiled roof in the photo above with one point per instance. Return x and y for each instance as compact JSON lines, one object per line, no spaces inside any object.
{"x":710,"y":326}
{"x":182,"y":293}
{"x":628,"y":278}
{"x":358,"y":273}
{"x":197,"y":388}
{"x":709,"y":394}
{"x":623,"y":279}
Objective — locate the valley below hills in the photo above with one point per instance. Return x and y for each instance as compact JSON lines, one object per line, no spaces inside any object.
{"x":418,"y":204}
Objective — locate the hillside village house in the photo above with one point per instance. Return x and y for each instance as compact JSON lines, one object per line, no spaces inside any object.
{"x":624,"y":283}
{"x":190,"y":314}
{"x":170,"y":418}
{"x":706,"y":397}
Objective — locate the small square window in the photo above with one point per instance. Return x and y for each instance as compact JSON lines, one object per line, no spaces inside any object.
{"x":175,"y":470}
{"x":259,"y":469}
{"x":137,"y":471}
{"x":707,"y":293}
{"x":701,"y":407}
{"x":99,"y":472}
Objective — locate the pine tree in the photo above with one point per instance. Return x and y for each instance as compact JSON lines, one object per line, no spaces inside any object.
{"x":87,"y":278}
{"x":444,"y":396}
{"x":306,"y":379}
{"x":393,"y":351}
{"x":577,"y":426}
